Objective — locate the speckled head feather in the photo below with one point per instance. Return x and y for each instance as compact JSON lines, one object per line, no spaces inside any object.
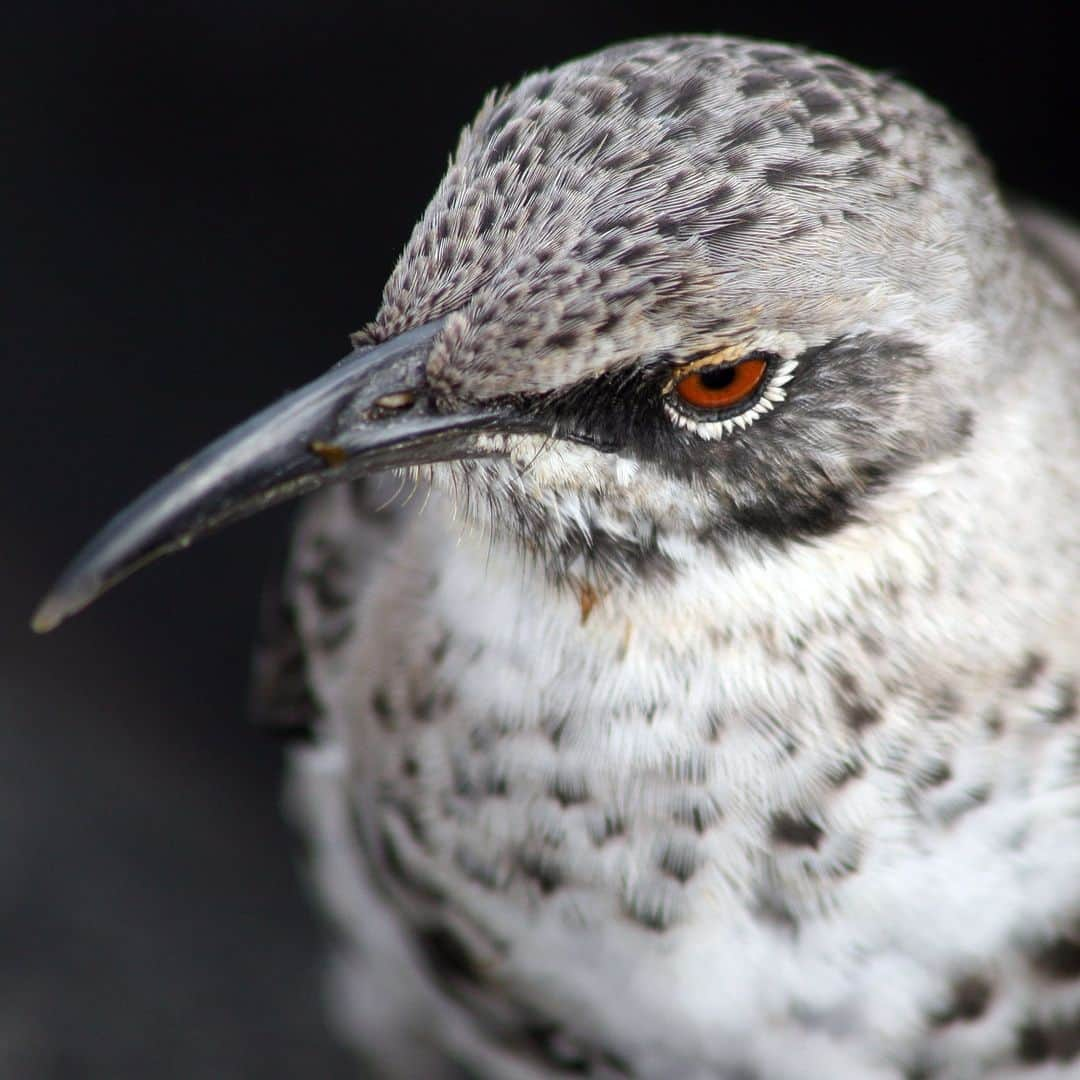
{"x":677,"y":195}
{"x":607,"y":222}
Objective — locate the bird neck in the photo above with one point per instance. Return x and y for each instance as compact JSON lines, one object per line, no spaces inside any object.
{"x":769,"y":720}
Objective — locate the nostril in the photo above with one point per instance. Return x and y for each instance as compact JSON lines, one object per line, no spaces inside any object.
{"x":397,"y":401}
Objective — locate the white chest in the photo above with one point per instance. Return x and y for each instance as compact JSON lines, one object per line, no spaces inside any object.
{"x":696,"y":840}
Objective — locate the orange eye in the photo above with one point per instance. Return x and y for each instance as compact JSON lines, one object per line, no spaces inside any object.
{"x":722,"y":387}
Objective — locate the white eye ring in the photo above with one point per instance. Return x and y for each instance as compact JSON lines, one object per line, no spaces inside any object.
{"x":776,"y":379}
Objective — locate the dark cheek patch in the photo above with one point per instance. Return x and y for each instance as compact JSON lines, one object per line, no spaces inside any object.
{"x":845,"y":433}
{"x":803,"y":516}
{"x":808,"y":469}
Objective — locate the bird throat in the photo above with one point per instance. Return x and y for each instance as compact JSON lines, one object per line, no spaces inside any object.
{"x":523,"y":734}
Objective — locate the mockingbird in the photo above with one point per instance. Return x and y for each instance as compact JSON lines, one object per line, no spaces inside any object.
{"x":717,"y":715}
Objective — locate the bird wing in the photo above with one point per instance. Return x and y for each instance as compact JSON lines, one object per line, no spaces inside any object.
{"x":307,"y":620}
{"x":307,"y":612}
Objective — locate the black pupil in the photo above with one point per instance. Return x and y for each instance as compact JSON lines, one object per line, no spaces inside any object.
{"x":717,"y":378}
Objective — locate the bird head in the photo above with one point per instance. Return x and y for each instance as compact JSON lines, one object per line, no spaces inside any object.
{"x":685,"y":293}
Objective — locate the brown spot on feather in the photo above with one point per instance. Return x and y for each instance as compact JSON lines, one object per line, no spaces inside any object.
{"x":1059,"y":959}
{"x":793,"y":831}
{"x":331,"y":454}
{"x":588,"y":598}
{"x":970,"y":997}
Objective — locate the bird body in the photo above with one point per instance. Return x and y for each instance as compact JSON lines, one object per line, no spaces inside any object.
{"x":640,"y":830}
{"x":677,"y":739}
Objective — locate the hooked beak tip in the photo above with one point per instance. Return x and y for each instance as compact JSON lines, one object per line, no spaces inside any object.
{"x":366,"y":414}
{"x":50,"y":613}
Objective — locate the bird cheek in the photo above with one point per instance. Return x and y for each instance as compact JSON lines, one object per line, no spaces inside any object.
{"x":624,"y":470}
{"x":550,"y":465}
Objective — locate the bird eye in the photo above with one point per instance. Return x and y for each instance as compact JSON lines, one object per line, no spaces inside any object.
{"x":724,"y":386}
{"x":715,"y":400}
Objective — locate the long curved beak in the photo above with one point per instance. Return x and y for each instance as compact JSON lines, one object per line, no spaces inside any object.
{"x":372,"y":411}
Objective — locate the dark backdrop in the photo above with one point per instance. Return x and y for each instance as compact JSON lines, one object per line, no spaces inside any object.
{"x":200,"y":201}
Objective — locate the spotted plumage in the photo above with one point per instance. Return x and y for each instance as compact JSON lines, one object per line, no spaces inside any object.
{"x":652,"y":741}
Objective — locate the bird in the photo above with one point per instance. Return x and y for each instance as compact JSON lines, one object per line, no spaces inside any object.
{"x":713,"y":710}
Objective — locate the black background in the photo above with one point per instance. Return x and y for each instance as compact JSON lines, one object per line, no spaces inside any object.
{"x":200,"y":202}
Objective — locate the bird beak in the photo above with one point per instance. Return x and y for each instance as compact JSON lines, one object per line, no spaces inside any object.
{"x":371,"y":411}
